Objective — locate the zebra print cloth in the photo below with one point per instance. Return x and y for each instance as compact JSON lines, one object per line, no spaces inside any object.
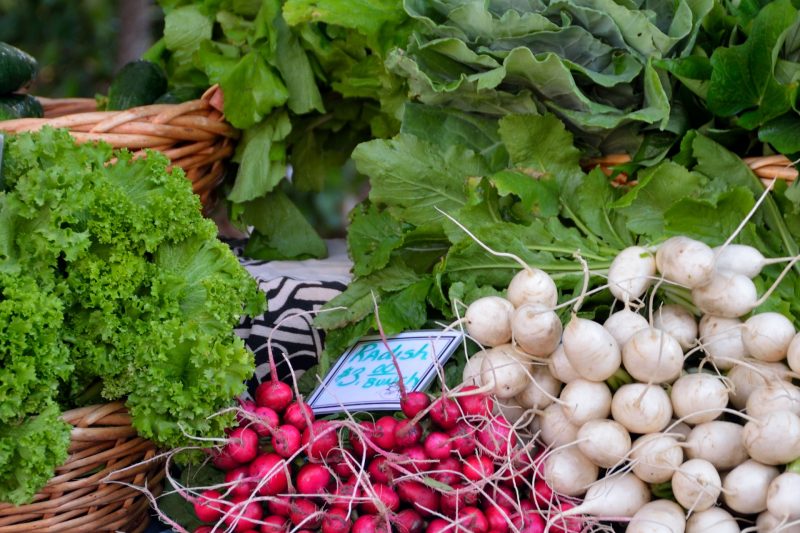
{"x":291,"y":287}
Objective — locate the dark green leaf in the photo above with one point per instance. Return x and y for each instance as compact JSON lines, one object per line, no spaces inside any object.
{"x":371,"y":238}
{"x":252,"y":89}
{"x":783,"y":133}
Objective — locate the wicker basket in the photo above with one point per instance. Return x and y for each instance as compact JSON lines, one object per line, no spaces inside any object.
{"x":194,"y":134}
{"x":77,"y":499}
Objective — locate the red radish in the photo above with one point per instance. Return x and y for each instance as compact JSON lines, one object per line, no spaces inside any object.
{"x":204,"y":529}
{"x":360,"y":449}
{"x":280,"y":505}
{"x":407,"y":433}
{"x":342,"y":469}
{"x":445,"y":413}
{"x":408,"y":521}
{"x":286,"y":440}
{"x":368,"y":523}
{"x":335,"y":521}
{"x":222,"y":460}
{"x":385,"y":495}
{"x":274,"y":394}
{"x":542,"y":494}
{"x":413,"y":403}
{"x":346,"y":494}
{"x":503,"y":497}
{"x":313,"y":479}
{"x":243,"y":515}
{"x":438,"y":525}
{"x":248,"y":406}
{"x":446,"y":471}
{"x":273,"y":524}
{"x":473,"y":520}
{"x":415,"y":460}
{"x":305,"y":512}
{"x":383,"y":436}
{"x":242,"y":445}
{"x":321,"y":438}
{"x":267,"y":419}
{"x":272,"y":473}
{"x":235,"y":480}
{"x":437,"y":445}
{"x":450,"y":503}
{"x":566,"y":524}
{"x":533,"y":523}
{"x":298,"y":414}
{"x":463,"y":438}
{"x":380,"y":470}
{"x":209,"y":506}
{"x":421,"y":497}
{"x":477,"y":405}
{"x":498,"y":518}
{"x":477,"y":467}
{"x":498,"y":437}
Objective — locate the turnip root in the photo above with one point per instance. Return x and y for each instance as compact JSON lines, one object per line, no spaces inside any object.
{"x":681,"y":430}
{"x":745,"y":378}
{"x":727,"y":295}
{"x":769,"y":523}
{"x":503,"y":371}
{"x":641,"y":408}
{"x":773,"y":438}
{"x":722,"y":340}
{"x":631,"y":273}
{"x":655,"y":457}
{"x":774,"y":396}
{"x":793,"y":354}
{"x":653,"y":356}
{"x":745,"y":487}
{"x":685,"y":261}
{"x":488,"y":320}
{"x":783,"y":496}
{"x":471,"y":375}
{"x":718,"y":442}
{"x":623,"y":324}
{"x":696,"y":485}
{"x":590,"y":349}
{"x":767,"y":336}
{"x":605,"y":442}
{"x":569,"y":472}
{"x":556,"y":429}
{"x":540,"y":391}
{"x":584,"y":400}
{"x":532,"y":286}
{"x":614,"y":495}
{"x":510,"y":409}
{"x":714,"y":520}
{"x":536,"y":329}
{"x":698,"y":398}
{"x":560,"y":366}
{"x":660,"y":516}
{"x":678,"y":322}
{"x":741,"y":259}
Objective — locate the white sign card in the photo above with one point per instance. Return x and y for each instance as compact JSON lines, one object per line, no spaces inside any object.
{"x":365,"y":378}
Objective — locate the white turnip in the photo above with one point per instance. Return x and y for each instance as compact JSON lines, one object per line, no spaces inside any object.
{"x":488,"y":320}
{"x":714,"y":520}
{"x":698,"y":398}
{"x":774,"y":396}
{"x":767,"y":336}
{"x":614,"y":495}
{"x":590,"y":349}
{"x":773,"y":438}
{"x":660,"y":516}
{"x":718,"y":442}
{"x":555,"y":429}
{"x":583,"y":400}
{"x":536,"y":329}
{"x":726,"y":295}
{"x":631,"y":273}
{"x":655,"y":457}
{"x":685,"y":261}
{"x":605,"y":442}
{"x":569,"y":472}
{"x":722,"y":340}
{"x":783,"y":496}
{"x":532,"y":286}
{"x":678,"y":322}
{"x":745,"y":487}
{"x":560,"y":367}
{"x":641,"y":408}
{"x":623,"y":324}
{"x":653,"y":356}
{"x":746,"y":377}
{"x":540,"y":391}
{"x":504,"y":372}
{"x":696,"y":485}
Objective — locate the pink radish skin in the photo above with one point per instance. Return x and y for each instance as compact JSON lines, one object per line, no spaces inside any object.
{"x":298,"y":414}
{"x":235,"y":479}
{"x":413,"y":403}
{"x":498,"y":437}
{"x":346,"y":495}
{"x":446,"y":471}
{"x":321,"y":438}
{"x":380,"y":470}
{"x":335,"y":521}
{"x":407,"y":433}
{"x":367,"y":428}
{"x":273,"y":524}
{"x":421,"y":497}
{"x":301,"y":511}
{"x":542,"y":495}
{"x":209,"y":506}
{"x":313,"y":479}
{"x":497,"y":518}
{"x":267,"y":419}
{"x":366,"y":524}
{"x":534,"y":523}
{"x":437,"y":445}
{"x":274,"y":394}
{"x":388,"y":499}
{"x":243,"y":516}
{"x":504,"y":497}
{"x":445,"y":413}
{"x":408,"y":521}
{"x":280,"y":506}
{"x":477,"y":405}
{"x":242,"y":445}
{"x":566,"y":524}
{"x":286,"y":440}
{"x":462,"y":438}
{"x":383,"y":436}
{"x":473,"y":519}
{"x":222,"y":460}
{"x":415,"y":459}
{"x":477,"y":467}
{"x":271,"y":471}
{"x":438,"y":525}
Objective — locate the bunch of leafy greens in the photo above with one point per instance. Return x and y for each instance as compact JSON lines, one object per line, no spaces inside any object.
{"x":590,"y":62}
{"x":305,"y":80}
{"x":113,"y":286}
{"x":744,"y":74}
{"x":517,"y":184}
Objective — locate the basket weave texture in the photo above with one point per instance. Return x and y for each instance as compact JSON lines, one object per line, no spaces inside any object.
{"x":78,"y":497}
{"x":193,"y":134}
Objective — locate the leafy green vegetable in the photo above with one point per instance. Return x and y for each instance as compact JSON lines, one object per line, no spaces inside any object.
{"x":110,"y":276}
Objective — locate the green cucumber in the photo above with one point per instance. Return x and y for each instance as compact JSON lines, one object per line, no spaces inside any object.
{"x":138,"y":83}
{"x":17,"y":68}
{"x":19,"y":106}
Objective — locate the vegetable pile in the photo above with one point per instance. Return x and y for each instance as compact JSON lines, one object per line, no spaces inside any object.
{"x":113,"y":286}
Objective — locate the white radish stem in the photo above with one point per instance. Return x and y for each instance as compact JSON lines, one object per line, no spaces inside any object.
{"x":583,"y":400}
{"x":653,"y":356}
{"x":614,"y":495}
{"x":685,"y":261}
{"x":678,"y":322}
{"x":631,"y":273}
{"x":605,"y":442}
{"x":698,"y":398}
{"x":590,"y":349}
{"x":536,"y":329}
{"x":696,"y":485}
{"x":641,"y":408}
{"x":655,"y":457}
{"x":745,"y":487}
{"x":623,"y":324}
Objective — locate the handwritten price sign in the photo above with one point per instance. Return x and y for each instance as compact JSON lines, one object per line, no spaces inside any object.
{"x":365,"y":378}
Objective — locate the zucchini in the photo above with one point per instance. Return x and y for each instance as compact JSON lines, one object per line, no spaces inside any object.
{"x":138,"y":83}
{"x":17,"y":68}
{"x":19,"y":106}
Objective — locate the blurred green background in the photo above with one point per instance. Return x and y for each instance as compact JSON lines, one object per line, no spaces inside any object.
{"x":80,"y":44}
